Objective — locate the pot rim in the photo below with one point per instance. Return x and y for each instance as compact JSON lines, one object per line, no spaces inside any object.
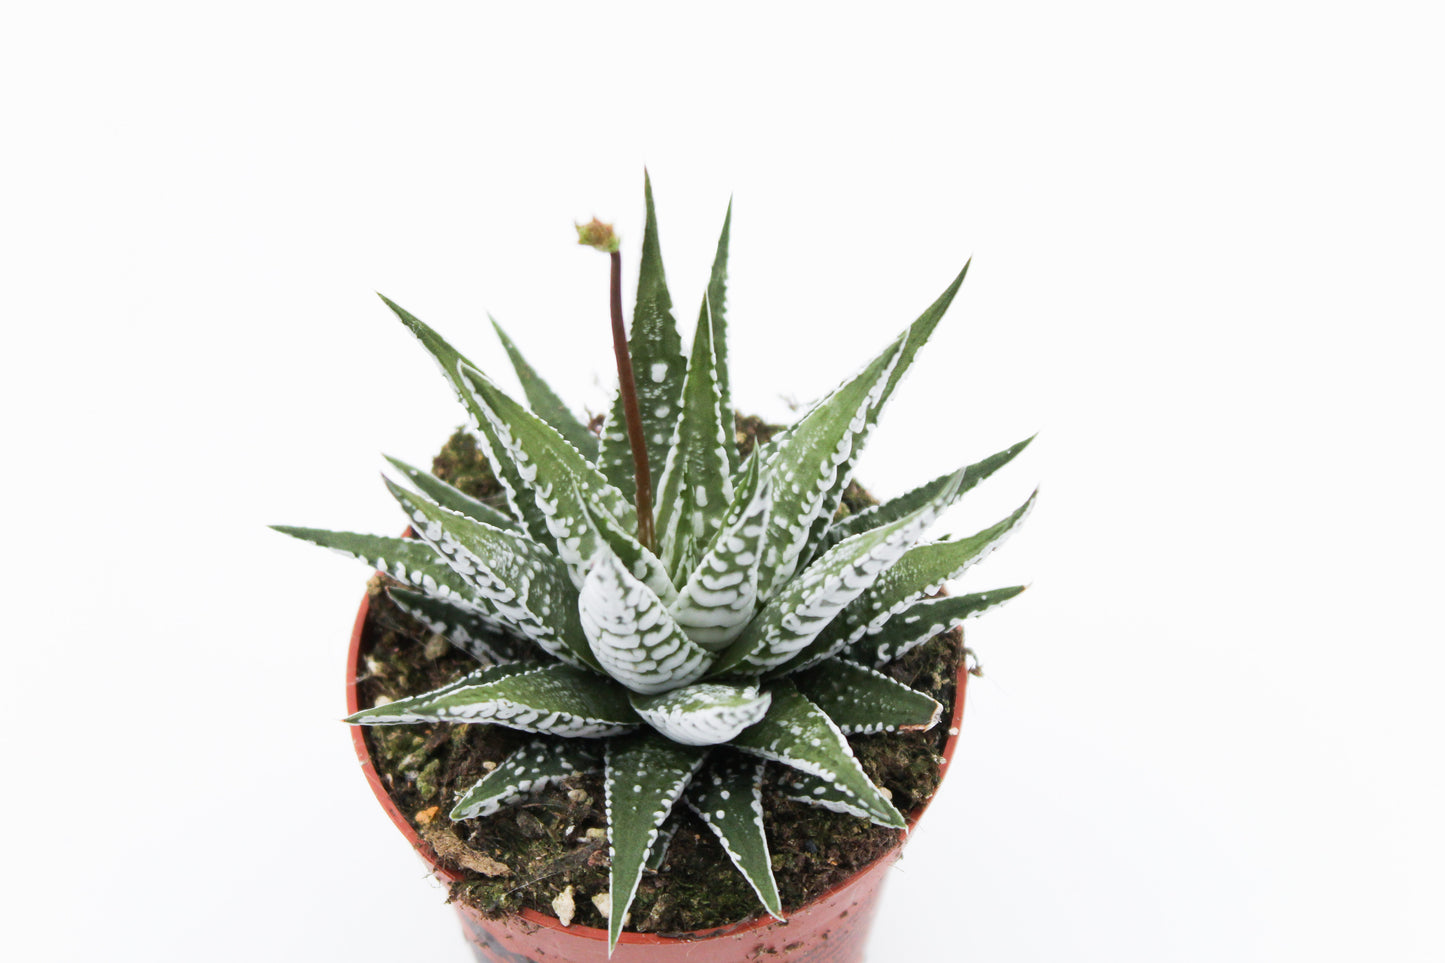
{"x":531,"y":916}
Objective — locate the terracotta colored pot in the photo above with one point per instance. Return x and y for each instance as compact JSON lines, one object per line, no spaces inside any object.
{"x":833,"y":928}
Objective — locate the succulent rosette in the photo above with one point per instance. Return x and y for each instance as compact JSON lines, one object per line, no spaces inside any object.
{"x":747,"y":632}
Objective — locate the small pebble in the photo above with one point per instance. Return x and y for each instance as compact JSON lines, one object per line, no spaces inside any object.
{"x":578,"y":796}
{"x":565,"y":906}
{"x":603,"y":902}
{"x":596,"y":832}
{"x":489,"y":765}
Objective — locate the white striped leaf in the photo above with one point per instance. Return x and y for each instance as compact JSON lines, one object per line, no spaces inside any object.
{"x":658,"y":856}
{"x":798,"y":734}
{"x":793,"y":618}
{"x":728,"y":797}
{"x":907,"y":343}
{"x":508,"y":474}
{"x":645,"y":776}
{"x":920,"y":572}
{"x":717,"y":299}
{"x":638,"y":559}
{"x":704,"y":713}
{"x":632,"y":636}
{"x":535,"y":766}
{"x":863,"y":701}
{"x":804,"y":788}
{"x":804,"y":467}
{"x":555,"y":699}
{"x":453,"y":499}
{"x":545,"y":402}
{"x":485,"y":638}
{"x":525,"y":585}
{"x":721,"y":595}
{"x":560,"y":482}
{"x":922,"y":621}
{"x":658,"y":368}
{"x":876,"y":515}
{"x":404,"y":559}
{"x":696,"y":488}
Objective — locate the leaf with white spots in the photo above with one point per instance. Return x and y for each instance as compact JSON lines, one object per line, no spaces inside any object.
{"x":453,"y":499}
{"x":524,"y":584}
{"x":638,"y":559}
{"x":485,"y":637}
{"x":696,"y":486}
{"x":645,"y":775}
{"x":704,"y":713}
{"x":717,"y":299}
{"x":535,"y":766}
{"x":560,"y":482}
{"x":798,"y":734}
{"x":632,"y":636}
{"x":544,"y":400}
{"x":907,"y":344}
{"x":508,"y":474}
{"x":804,"y":464}
{"x":658,"y":367}
{"x":555,"y":699}
{"x":405,"y":559}
{"x":862,"y":701}
{"x":876,"y":515}
{"x":721,"y":594}
{"x":921,"y":571}
{"x":728,"y":797}
{"x":804,"y":788}
{"x":793,"y":618}
{"x":921,"y":621}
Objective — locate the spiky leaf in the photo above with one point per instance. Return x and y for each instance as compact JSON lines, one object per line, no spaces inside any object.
{"x":721,"y":595}
{"x":631,"y":634}
{"x":717,"y":298}
{"x":658,"y":366}
{"x":525,"y":586}
{"x":728,"y":796}
{"x":793,"y":618}
{"x":804,"y":788}
{"x":484,"y":637}
{"x":404,"y":559}
{"x":640,"y":560}
{"x":797,"y":733}
{"x":544,"y":400}
{"x":703,"y":714}
{"x":452,"y":363}
{"x":923,"y":620}
{"x":876,"y":515}
{"x":861,"y":700}
{"x":645,"y":775}
{"x":696,"y":487}
{"x":453,"y":499}
{"x":555,"y":699}
{"x":535,"y":766}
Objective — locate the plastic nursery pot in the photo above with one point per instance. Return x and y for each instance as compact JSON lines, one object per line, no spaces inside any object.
{"x":833,"y":928}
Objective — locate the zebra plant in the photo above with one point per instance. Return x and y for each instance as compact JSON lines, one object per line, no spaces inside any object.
{"x":681,"y":651}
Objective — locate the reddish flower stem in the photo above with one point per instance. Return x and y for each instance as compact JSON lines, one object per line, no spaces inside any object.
{"x":631,"y":410}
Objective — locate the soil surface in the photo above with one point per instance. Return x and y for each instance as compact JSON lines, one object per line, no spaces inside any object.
{"x":526,"y":856}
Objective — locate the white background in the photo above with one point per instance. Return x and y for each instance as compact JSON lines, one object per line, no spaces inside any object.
{"x":1207,"y":246}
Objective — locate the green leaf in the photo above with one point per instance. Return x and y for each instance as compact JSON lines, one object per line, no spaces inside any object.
{"x":721,"y":595}
{"x":640,"y":561}
{"x":632,"y":636}
{"x":804,"y":467}
{"x":508,"y":473}
{"x":861,"y":700}
{"x":484,"y":637}
{"x":921,"y":571}
{"x":561,"y":484}
{"x":658,"y":366}
{"x":797,"y":733}
{"x":452,"y":499}
{"x":535,"y":766}
{"x":645,"y":775}
{"x":696,"y":486}
{"x":544,"y":400}
{"x":907,"y":344}
{"x":555,"y":699}
{"x":793,"y":618}
{"x":525,"y":585}
{"x":923,"y":620}
{"x":728,"y":797}
{"x":404,"y":559}
{"x":876,"y":515}
{"x":704,"y":713}
{"x":717,"y":298}
{"x":804,"y":788}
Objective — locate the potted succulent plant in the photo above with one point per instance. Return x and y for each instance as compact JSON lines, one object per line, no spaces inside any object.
{"x":645,"y":603}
